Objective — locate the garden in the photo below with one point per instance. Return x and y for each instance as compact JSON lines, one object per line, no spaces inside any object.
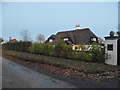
{"x":60,"y":49}
{"x":60,"y":58}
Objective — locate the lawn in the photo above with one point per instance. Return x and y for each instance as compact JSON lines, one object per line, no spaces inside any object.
{"x":81,"y":66}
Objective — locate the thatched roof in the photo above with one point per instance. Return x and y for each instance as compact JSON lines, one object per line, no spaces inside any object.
{"x":78,"y":36}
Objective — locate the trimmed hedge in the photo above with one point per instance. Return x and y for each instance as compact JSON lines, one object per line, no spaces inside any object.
{"x":98,"y":53}
{"x":86,"y":67}
{"x":17,"y":46}
{"x":60,"y":49}
{"x":63,"y":50}
{"x":41,"y":49}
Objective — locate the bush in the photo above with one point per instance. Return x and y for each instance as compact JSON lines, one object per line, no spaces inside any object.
{"x":41,"y":49}
{"x":58,"y":50}
{"x":92,"y":53}
{"x":47,"y":49}
{"x":63,"y":50}
{"x":98,"y":53}
{"x":34,"y":48}
{"x":81,"y":56}
{"x":17,"y":46}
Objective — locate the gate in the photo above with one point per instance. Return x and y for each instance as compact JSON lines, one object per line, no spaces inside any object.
{"x":118,"y":52}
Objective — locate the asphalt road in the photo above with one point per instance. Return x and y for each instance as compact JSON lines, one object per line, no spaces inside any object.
{"x":18,"y":76}
{"x":15,"y":75}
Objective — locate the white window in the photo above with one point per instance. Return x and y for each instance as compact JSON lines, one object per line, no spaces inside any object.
{"x":93,"y":39}
{"x":50,"y":40}
{"x":65,"y":39}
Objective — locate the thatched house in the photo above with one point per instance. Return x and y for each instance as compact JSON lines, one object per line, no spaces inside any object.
{"x":77,"y":36}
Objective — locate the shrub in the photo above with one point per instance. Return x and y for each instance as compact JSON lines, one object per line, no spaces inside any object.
{"x":98,"y":53}
{"x":63,"y":50}
{"x":17,"y":46}
{"x":92,"y":53}
{"x":47,"y":49}
{"x":81,"y":56}
{"x":35,"y":48}
{"x":41,"y":49}
{"x":59,"y":50}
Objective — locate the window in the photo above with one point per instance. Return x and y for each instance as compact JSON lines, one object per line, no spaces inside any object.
{"x":65,"y":39}
{"x":50,"y":40}
{"x":110,"y":47}
{"x":93,"y":39}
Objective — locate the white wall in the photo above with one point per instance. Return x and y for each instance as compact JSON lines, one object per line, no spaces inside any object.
{"x":112,"y":60}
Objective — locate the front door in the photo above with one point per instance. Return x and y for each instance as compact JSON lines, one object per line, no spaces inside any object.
{"x":118,"y":52}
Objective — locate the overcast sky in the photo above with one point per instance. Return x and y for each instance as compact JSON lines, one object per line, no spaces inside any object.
{"x":49,"y":17}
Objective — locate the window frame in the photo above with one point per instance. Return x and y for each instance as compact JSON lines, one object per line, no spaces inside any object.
{"x":109,"y":47}
{"x":66,"y":38}
{"x":50,"y":40}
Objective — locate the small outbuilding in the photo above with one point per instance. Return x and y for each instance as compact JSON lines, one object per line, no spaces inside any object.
{"x":112,"y":50}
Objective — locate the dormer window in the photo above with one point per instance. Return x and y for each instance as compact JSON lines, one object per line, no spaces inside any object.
{"x":50,"y":40}
{"x":66,"y":39}
{"x":93,"y":39}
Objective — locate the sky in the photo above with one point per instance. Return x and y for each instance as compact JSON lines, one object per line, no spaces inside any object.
{"x":59,"y":0}
{"x":51,"y":17}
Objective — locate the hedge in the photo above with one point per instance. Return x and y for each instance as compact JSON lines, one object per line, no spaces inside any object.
{"x":17,"y":46}
{"x":60,"y":49}
{"x":41,"y":49}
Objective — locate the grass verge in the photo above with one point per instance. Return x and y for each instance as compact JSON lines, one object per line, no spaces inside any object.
{"x":86,"y":67}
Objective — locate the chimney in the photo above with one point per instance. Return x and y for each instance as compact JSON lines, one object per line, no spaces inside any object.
{"x":77,"y":27}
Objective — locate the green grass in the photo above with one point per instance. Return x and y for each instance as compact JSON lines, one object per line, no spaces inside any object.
{"x":86,"y":67}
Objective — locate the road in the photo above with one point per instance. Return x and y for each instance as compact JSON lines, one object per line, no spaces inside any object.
{"x":18,"y":76}
{"x":15,"y":75}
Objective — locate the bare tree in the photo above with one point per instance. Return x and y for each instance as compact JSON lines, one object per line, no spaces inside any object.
{"x":40,"y":38}
{"x":25,"y":35}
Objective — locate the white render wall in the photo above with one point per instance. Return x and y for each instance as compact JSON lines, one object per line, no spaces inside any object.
{"x":112,"y":60}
